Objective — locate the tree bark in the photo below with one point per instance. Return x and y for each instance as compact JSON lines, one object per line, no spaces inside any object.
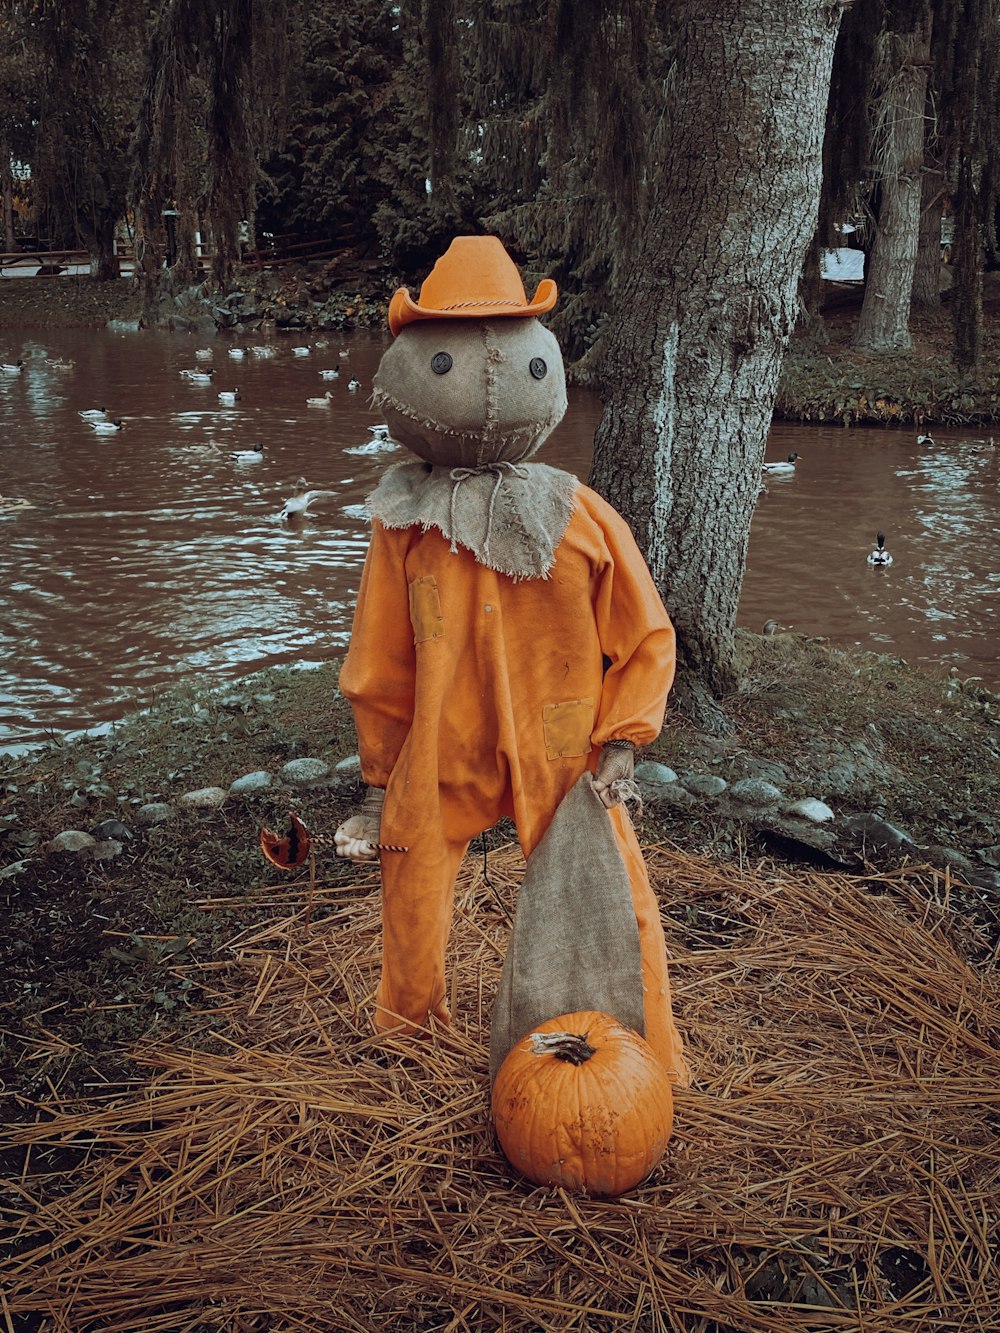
{"x":967,"y":267}
{"x":927,"y":274}
{"x":707,"y":307}
{"x":99,"y":238}
{"x":9,"y":239}
{"x":810,"y":314}
{"x":884,"y":325}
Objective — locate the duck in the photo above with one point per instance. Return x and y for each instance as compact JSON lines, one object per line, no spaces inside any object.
{"x":262,"y":351}
{"x":880,"y":556}
{"x":229,"y":397}
{"x":344,"y":353}
{"x":106,"y":427}
{"x":12,"y":367}
{"x":299,"y":503}
{"x":926,"y":439}
{"x":62,"y":363}
{"x":380,"y":443}
{"x":10,"y":502}
{"x":301,"y":351}
{"x":353,"y":384}
{"x":237,"y":353}
{"x":254,"y":455}
{"x":94,"y":414}
{"x":787,"y":465}
{"x":330,"y":374}
{"x":320,"y":402}
{"x":201,"y":376}
{"x":204,"y":353}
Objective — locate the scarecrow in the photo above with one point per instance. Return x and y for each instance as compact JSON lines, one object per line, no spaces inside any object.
{"x":508,"y":642}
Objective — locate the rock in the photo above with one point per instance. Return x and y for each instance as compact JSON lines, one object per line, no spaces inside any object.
{"x":106,"y":849}
{"x":155,"y":812}
{"x":755,"y":791}
{"x":765,"y":770}
{"x":205,"y":798}
{"x":800,"y":835}
{"x":817,"y":812}
{"x":305,"y":772}
{"x":867,"y":832}
{"x":670,"y":794}
{"x":250,"y":782}
{"x":111,"y":828}
{"x":948,"y":857}
{"x":71,"y":840}
{"x":650,"y":773}
{"x":991,"y":855}
{"x":349,"y":769}
{"x":704,"y":784}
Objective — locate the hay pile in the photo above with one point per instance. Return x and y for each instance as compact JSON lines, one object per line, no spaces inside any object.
{"x":835,"y":1167}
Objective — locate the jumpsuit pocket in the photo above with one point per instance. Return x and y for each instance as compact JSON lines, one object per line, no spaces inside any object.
{"x":567,"y":728}
{"x":425,"y":610}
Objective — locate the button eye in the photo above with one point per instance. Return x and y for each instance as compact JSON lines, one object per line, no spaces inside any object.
{"x":441,"y":363}
{"x":538,"y":368}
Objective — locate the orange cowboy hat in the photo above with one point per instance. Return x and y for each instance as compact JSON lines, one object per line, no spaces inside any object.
{"x":473,"y":279}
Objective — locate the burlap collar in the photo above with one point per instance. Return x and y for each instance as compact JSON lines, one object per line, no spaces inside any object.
{"x":511,"y":516}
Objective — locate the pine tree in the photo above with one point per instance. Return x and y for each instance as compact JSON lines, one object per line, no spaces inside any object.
{"x":324,"y":177}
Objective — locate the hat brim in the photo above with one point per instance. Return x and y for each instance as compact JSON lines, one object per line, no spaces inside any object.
{"x":404,"y":310}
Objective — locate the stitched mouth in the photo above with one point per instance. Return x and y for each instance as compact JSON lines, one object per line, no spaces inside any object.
{"x":485,"y":431}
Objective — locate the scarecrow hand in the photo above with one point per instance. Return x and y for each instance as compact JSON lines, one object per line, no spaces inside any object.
{"x":353,"y":839}
{"x":615,"y":766}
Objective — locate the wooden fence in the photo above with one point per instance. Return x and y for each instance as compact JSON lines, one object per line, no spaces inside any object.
{"x":276,"y":252}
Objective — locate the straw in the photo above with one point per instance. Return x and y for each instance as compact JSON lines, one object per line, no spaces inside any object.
{"x":835,"y":1166}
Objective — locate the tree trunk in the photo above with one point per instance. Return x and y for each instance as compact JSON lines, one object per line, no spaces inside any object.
{"x":810,"y":315}
{"x":9,"y":239}
{"x":884,"y":325}
{"x":927,"y":275}
{"x":99,"y":239}
{"x":706,"y":309}
{"x":967,"y":267}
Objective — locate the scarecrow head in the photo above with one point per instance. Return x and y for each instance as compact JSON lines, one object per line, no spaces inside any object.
{"x":472,"y":377}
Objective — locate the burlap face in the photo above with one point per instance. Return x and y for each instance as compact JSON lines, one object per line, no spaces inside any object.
{"x":464,"y":392}
{"x":575,"y":942}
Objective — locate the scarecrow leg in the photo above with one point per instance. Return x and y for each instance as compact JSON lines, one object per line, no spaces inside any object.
{"x":418,"y":892}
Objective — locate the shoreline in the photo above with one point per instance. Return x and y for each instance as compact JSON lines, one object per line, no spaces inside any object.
{"x":824,"y":380}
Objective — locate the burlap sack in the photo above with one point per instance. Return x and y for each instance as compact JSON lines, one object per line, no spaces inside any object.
{"x":501,"y":396}
{"x":575,"y":941}
{"x":512,"y":517}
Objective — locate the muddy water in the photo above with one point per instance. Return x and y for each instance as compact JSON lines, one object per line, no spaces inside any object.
{"x":152,"y":555}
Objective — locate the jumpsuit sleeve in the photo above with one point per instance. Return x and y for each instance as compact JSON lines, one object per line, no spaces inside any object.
{"x":379,"y":671}
{"x":635,"y":634}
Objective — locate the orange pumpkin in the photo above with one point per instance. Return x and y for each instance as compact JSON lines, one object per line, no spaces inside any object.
{"x":583,"y":1102}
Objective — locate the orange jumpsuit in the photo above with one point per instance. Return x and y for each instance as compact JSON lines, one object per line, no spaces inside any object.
{"x":477,"y":696}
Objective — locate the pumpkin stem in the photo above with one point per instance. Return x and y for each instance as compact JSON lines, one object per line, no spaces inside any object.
{"x":570,"y":1046}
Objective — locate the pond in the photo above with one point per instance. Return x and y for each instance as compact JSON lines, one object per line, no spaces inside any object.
{"x":150,"y":555}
